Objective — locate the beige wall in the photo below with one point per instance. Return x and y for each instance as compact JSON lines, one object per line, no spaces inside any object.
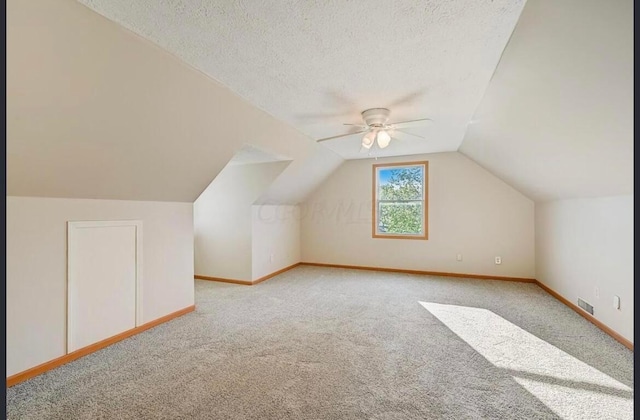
{"x":223,"y":219}
{"x":275,"y":238}
{"x":584,"y":244}
{"x":36,"y":267}
{"x":95,"y":111}
{"x":470,"y":212}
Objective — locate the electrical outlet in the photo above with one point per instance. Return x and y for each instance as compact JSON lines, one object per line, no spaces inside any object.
{"x":271,"y":258}
{"x":616,"y":302}
{"x":596,"y":292}
{"x":498,"y":260}
{"x":459,"y":257}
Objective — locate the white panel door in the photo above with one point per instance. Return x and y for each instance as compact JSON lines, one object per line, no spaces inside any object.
{"x":103,"y":280}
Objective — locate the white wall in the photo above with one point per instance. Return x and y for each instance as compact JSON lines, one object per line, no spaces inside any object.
{"x":36,"y":267}
{"x":223,"y":219}
{"x":470,"y":212}
{"x":582,"y":244}
{"x":561,"y":102}
{"x":275,"y":238}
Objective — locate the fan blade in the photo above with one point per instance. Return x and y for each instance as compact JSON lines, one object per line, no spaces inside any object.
{"x":357,"y":125}
{"x":412,"y":123}
{"x":411,"y":134}
{"x":341,"y":135}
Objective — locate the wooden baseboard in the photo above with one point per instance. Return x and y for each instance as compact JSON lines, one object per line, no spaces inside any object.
{"x":246,"y":282}
{"x":223,"y":280}
{"x":275,"y":273}
{"x":52,"y":364}
{"x":628,"y":344}
{"x":431,"y":273}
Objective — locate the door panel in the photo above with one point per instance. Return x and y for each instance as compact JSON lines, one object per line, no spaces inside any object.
{"x":102,"y":280}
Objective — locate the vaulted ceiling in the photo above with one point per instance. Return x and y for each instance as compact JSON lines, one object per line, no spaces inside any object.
{"x":150,"y":100}
{"x":95,"y":111}
{"x":557,"y":118}
{"x":317,"y":64}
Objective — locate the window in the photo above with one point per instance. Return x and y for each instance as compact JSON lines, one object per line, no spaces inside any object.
{"x":400,"y":200}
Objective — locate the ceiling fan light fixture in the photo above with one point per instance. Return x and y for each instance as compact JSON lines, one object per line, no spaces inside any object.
{"x":368,"y":139}
{"x":383,"y":139}
{"x":377,"y":128}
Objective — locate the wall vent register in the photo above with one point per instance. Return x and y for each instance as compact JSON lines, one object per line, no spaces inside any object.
{"x":584,"y":305}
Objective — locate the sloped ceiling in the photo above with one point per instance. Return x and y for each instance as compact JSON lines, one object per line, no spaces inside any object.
{"x":94,"y":111}
{"x":317,"y":64}
{"x":248,"y":155}
{"x":557,"y":118}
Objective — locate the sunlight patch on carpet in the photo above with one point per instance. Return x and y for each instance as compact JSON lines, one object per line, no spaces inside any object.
{"x":566,"y":385}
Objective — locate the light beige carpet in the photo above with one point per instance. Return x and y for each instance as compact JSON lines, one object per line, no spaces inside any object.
{"x":324,"y":343}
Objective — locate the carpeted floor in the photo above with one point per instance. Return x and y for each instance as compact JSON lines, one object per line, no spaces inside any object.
{"x":325,"y":343}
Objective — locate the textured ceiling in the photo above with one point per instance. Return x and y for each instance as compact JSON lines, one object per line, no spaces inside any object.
{"x":557,"y":119}
{"x":318,"y":64}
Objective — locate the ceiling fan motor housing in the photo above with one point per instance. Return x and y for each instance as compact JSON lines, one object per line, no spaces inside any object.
{"x":376,"y":117}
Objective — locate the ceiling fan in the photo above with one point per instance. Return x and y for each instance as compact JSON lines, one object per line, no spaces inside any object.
{"x":377,"y":129}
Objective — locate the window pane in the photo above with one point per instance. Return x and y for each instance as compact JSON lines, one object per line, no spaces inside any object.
{"x":400,"y":183}
{"x":400,"y":218}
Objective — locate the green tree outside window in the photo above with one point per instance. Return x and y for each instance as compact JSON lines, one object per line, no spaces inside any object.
{"x":400,"y":200}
